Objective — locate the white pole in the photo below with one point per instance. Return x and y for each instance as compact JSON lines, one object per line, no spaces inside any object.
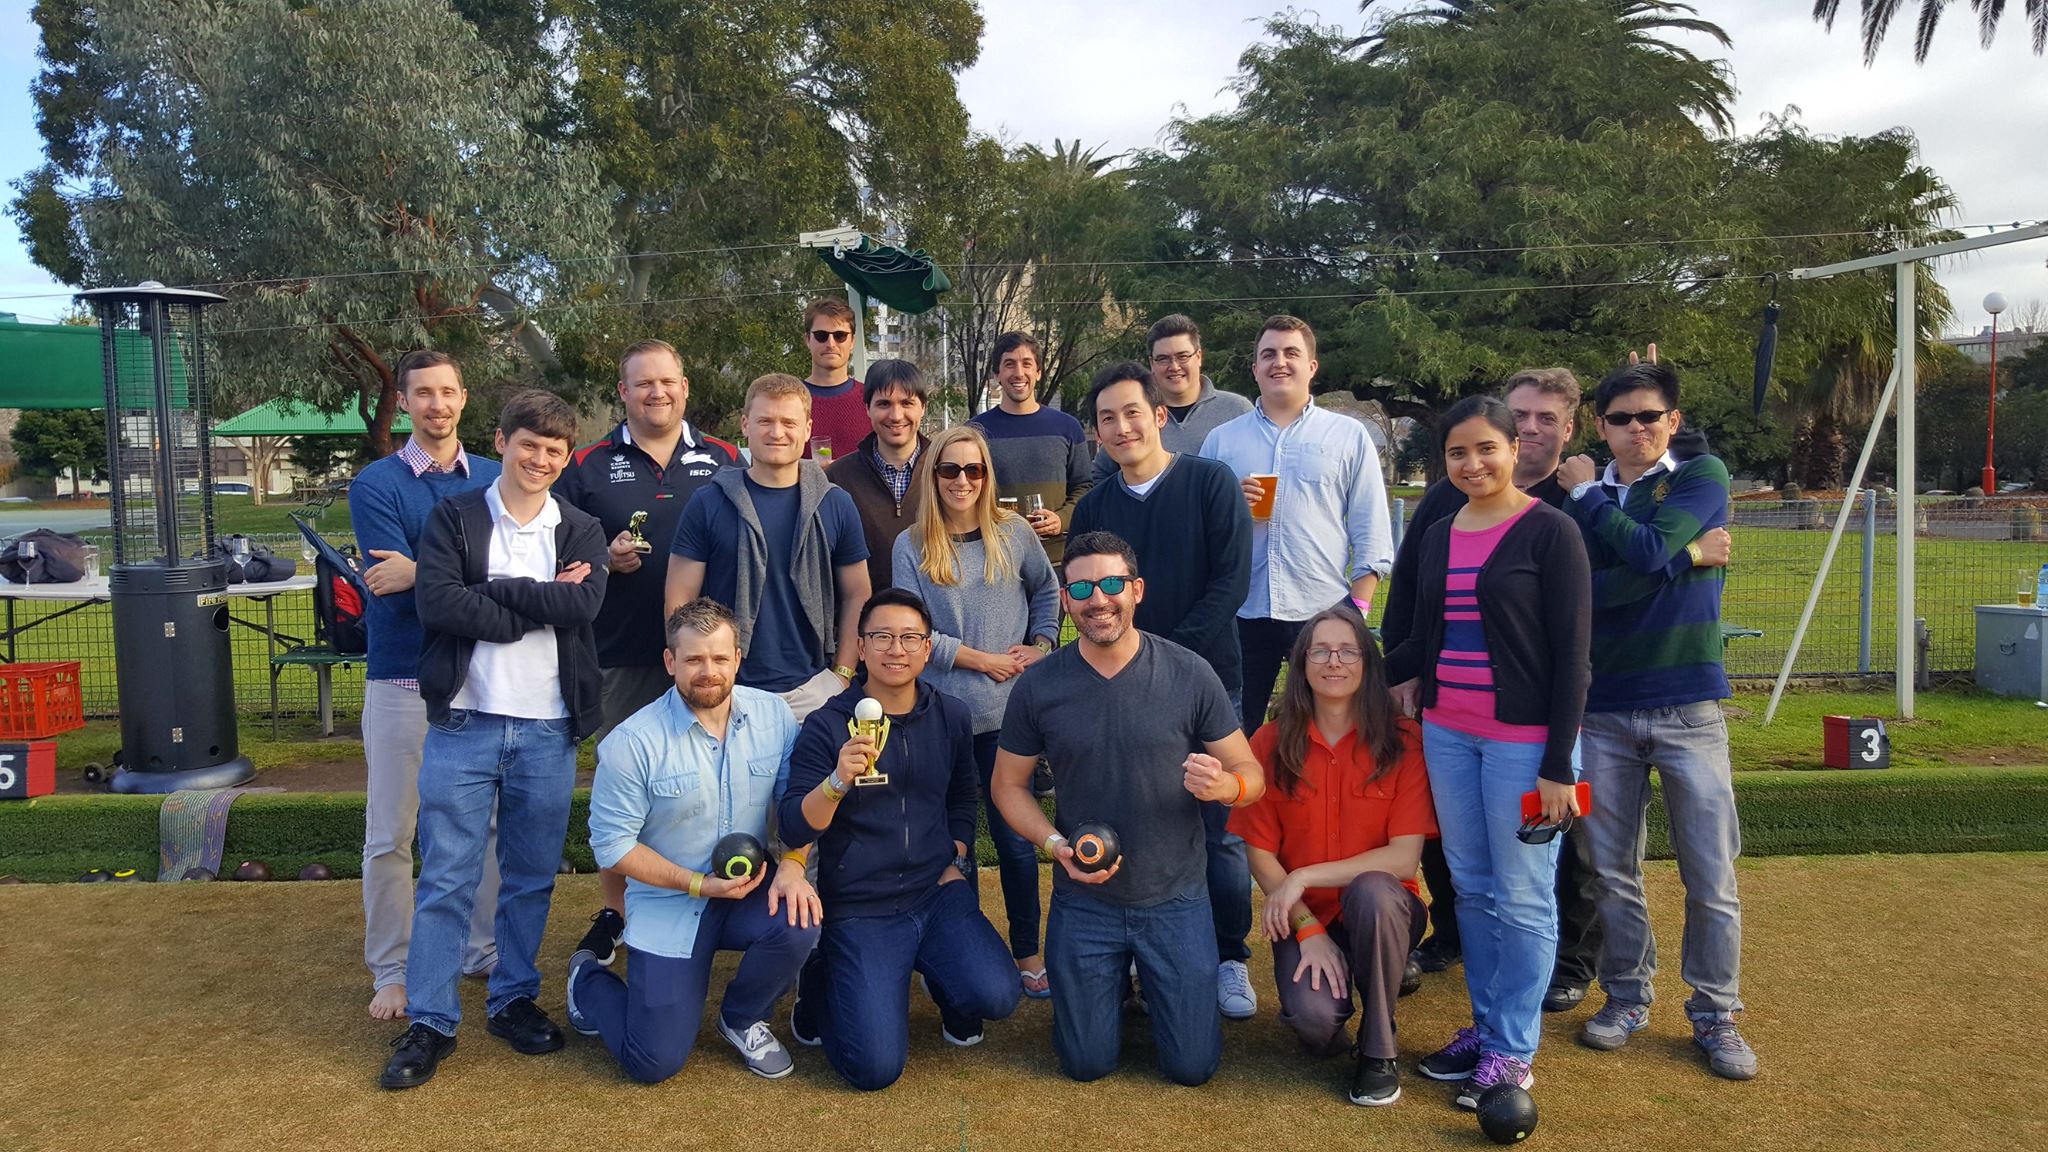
{"x":857,"y":360}
{"x":1827,"y":557}
{"x":1905,"y":348}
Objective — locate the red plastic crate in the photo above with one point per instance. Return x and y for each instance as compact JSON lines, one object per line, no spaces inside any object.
{"x":28,"y":770}
{"x":37,"y":701}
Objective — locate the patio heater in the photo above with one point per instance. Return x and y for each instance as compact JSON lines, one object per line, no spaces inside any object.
{"x":167,"y":584}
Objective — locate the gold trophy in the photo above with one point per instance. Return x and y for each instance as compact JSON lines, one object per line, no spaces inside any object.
{"x":868,"y":721}
{"x":633,"y":525}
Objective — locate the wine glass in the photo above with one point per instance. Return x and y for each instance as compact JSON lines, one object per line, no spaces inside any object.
{"x":307,"y":552}
{"x":240,"y":555}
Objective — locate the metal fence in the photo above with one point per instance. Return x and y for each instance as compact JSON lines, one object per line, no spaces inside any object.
{"x":1971,"y":552}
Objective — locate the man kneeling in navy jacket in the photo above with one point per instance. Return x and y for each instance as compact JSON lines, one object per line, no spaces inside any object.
{"x":894,"y":817}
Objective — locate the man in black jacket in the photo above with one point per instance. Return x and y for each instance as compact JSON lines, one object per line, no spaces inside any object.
{"x":878,"y":474}
{"x":1545,"y":403}
{"x":510,"y":581}
{"x":1186,"y":518}
{"x":894,"y":818}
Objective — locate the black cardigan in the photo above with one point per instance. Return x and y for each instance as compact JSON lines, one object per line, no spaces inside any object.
{"x":1536,"y":607}
{"x":460,"y":604}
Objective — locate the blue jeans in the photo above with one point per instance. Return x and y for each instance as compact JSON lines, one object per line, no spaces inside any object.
{"x":1230,"y":872}
{"x":1089,"y":947}
{"x":1688,"y":746}
{"x":1016,"y":859}
{"x":650,"y":1022}
{"x":867,"y":964}
{"x":1507,"y":902}
{"x":470,"y":764}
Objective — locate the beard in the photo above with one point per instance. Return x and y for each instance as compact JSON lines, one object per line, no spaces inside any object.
{"x":705,"y":692}
{"x":1103,"y":630}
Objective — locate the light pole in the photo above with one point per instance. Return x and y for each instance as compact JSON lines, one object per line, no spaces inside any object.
{"x":1994,"y":304}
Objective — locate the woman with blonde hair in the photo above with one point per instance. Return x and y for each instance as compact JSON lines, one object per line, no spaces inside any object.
{"x":995,"y":611}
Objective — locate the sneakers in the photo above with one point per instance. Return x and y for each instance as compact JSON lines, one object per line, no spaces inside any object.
{"x":803,"y":1027}
{"x":583,"y":956}
{"x":1563,"y":997}
{"x":1493,"y":1069}
{"x":607,"y":931}
{"x":1729,"y":1056}
{"x":1411,"y":978}
{"x":1134,"y":994}
{"x":1041,"y":780}
{"x":1453,"y":1061}
{"x":759,"y":1050}
{"x":960,"y":1032}
{"x":1613,"y":1024}
{"x":420,"y":1052}
{"x":526,"y":1028}
{"x":1376,"y":1083}
{"x":1234,"y":995}
{"x":1435,"y":956}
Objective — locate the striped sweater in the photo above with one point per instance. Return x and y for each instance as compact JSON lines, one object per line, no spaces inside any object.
{"x":1656,"y":618}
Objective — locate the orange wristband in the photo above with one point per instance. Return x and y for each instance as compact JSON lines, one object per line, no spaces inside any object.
{"x":1240,"y":789}
{"x":1304,"y":935}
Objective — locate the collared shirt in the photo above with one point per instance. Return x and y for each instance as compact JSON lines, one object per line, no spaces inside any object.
{"x":665,"y":781}
{"x":1329,"y":524}
{"x":416,"y":458}
{"x":1611,"y":478}
{"x":523,"y":678}
{"x":898,"y":479}
{"x":1336,"y":811}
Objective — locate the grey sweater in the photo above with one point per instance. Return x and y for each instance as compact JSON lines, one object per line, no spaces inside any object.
{"x":1213,"y":409}
{"x":980,"y":615}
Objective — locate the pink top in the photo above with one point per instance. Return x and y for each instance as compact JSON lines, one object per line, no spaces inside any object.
{"x":1464,"y":674}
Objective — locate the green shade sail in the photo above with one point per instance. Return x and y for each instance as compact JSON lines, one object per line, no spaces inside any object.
{"x":905,"y":281}
{"x":50,"y":366}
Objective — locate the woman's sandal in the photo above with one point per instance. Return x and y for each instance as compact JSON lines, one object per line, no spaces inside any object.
{"x":1035,"y":984}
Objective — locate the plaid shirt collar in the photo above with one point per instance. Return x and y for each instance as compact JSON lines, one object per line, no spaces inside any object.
{"x":898,"y":479}
{"x":416,"y":458}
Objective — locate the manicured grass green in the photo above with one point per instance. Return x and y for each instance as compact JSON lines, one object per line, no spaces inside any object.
{"x":241,"y":514}
{"x":1952,"y":726}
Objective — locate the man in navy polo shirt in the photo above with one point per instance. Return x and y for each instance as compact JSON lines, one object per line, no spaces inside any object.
{"x":647,"y":467}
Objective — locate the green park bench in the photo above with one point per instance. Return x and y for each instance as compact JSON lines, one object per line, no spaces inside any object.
{"x":322,"y":660}
{"x":1737,"y":632}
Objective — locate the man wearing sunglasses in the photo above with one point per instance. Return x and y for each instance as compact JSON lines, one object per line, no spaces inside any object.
{"x":1655,"y":703}
{"x":839,"y":413}
{"x":1142,"y":736}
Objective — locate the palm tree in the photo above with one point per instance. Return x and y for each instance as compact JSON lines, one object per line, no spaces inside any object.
{"x":1643,"y":24}
{"x":1877,"y":18}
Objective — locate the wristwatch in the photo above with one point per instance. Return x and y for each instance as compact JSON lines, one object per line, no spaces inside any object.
{"x":1043,"y":645}
{"x":1580,"y":489}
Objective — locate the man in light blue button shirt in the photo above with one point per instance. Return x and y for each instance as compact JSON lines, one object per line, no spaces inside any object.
{"x":703,"y":761}
{"x":1326,"y":537}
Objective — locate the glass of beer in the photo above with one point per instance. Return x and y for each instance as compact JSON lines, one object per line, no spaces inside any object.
{"x":2028,"y":578}
{"x":1269,"y":485}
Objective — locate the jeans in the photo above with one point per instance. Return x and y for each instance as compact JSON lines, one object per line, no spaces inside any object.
{"x":1380,"y":923}
{"x":475,"y":762}
{"x":1443,"y":895}
{"x":1089,"y":947}
{"x":1578,"y":912}
{"x":1016,"y":859}
{"x":1265,"y":643}
{"x":650,"y":1022}
{"x":867,"y":965}
{"x":394,"y":729}
{"x":1688,"y":746}
{"x":1507,"y":903}
{"x":1230,"y":883}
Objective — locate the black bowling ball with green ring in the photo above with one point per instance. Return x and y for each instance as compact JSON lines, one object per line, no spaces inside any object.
{"x":738,"y":856}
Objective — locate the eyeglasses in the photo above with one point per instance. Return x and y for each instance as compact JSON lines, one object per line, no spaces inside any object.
{"x":1110,"y":585}
{"x":1321,"y":655}
{"x":1535,"y":831}
{"x":836,"y":336}
{"x":1177,"y":359}
{"x":952,"y":471}
{"x":1646,"y":417}
{"x":895,"y":641}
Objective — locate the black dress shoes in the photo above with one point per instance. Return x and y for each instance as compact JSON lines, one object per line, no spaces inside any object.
{"x":420,"y":1052}
{"x":526,"y":1028}
{"x":1563,"y":997}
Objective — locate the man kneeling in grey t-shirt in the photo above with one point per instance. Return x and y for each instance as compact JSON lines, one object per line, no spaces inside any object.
{"x":1139,"y":732}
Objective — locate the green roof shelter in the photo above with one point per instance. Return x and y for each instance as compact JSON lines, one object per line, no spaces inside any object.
{"x":287,"y":417}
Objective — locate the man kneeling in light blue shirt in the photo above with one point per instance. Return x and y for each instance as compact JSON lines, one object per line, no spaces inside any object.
{"x":705,"y":760}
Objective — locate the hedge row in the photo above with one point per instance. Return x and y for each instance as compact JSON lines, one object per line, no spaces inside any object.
{"x":1783,"y":813}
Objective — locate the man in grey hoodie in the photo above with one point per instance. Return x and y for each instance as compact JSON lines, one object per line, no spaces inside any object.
{"x":1194,"y":405}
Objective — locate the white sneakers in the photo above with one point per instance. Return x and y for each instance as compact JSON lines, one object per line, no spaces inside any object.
{"x":1234,"y":995}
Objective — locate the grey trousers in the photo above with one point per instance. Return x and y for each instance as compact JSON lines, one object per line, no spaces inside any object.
{"x":1381,"y":923}
{"x":1688,"y":746}
{"x":394,"y":729}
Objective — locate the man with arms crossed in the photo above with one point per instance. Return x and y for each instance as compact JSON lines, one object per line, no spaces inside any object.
{"x":388,"y":505}
{"x":636,"y":481}
{"x":1655,"y":702}
{"x":703,"y":761}
{"x":1035,"y":450}
{"x":782,"y":546}
{"x":1141,"y":735}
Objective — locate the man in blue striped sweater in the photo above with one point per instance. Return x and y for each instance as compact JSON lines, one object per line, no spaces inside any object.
{"x":1655,"y":702}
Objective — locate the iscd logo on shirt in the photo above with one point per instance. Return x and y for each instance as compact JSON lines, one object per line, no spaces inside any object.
{"x":698,"y":463}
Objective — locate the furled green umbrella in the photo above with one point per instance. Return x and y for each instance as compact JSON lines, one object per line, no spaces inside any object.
{"x":905,"y":281}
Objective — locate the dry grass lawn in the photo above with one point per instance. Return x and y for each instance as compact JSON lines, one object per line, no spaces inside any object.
{"x":229,"y":1016}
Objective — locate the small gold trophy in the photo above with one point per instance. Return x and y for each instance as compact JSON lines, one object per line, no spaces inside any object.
{"x":633,"y":524}
{"x":869,"y":721}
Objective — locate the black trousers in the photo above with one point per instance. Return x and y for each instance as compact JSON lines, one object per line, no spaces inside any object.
{"x":1265,"y":643}
{"x":1578,"y":922}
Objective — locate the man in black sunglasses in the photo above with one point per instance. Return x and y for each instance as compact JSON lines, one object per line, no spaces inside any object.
{"x":1655,"y":703}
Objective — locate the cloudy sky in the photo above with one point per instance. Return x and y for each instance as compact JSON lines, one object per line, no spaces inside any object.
{"x":1113,"y":74}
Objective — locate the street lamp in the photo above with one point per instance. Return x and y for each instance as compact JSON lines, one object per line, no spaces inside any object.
{"x":1994,"y":304}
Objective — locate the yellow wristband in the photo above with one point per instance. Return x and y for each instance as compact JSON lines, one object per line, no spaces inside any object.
{"x":697,"y":884}
{"x":798,"y":855}
{"x":1305,"y":919}
{"x":834,"y":791}
{"x":1693,"y":550}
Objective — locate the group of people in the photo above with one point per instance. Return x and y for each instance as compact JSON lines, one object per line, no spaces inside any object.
{"x":853,"y":661}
